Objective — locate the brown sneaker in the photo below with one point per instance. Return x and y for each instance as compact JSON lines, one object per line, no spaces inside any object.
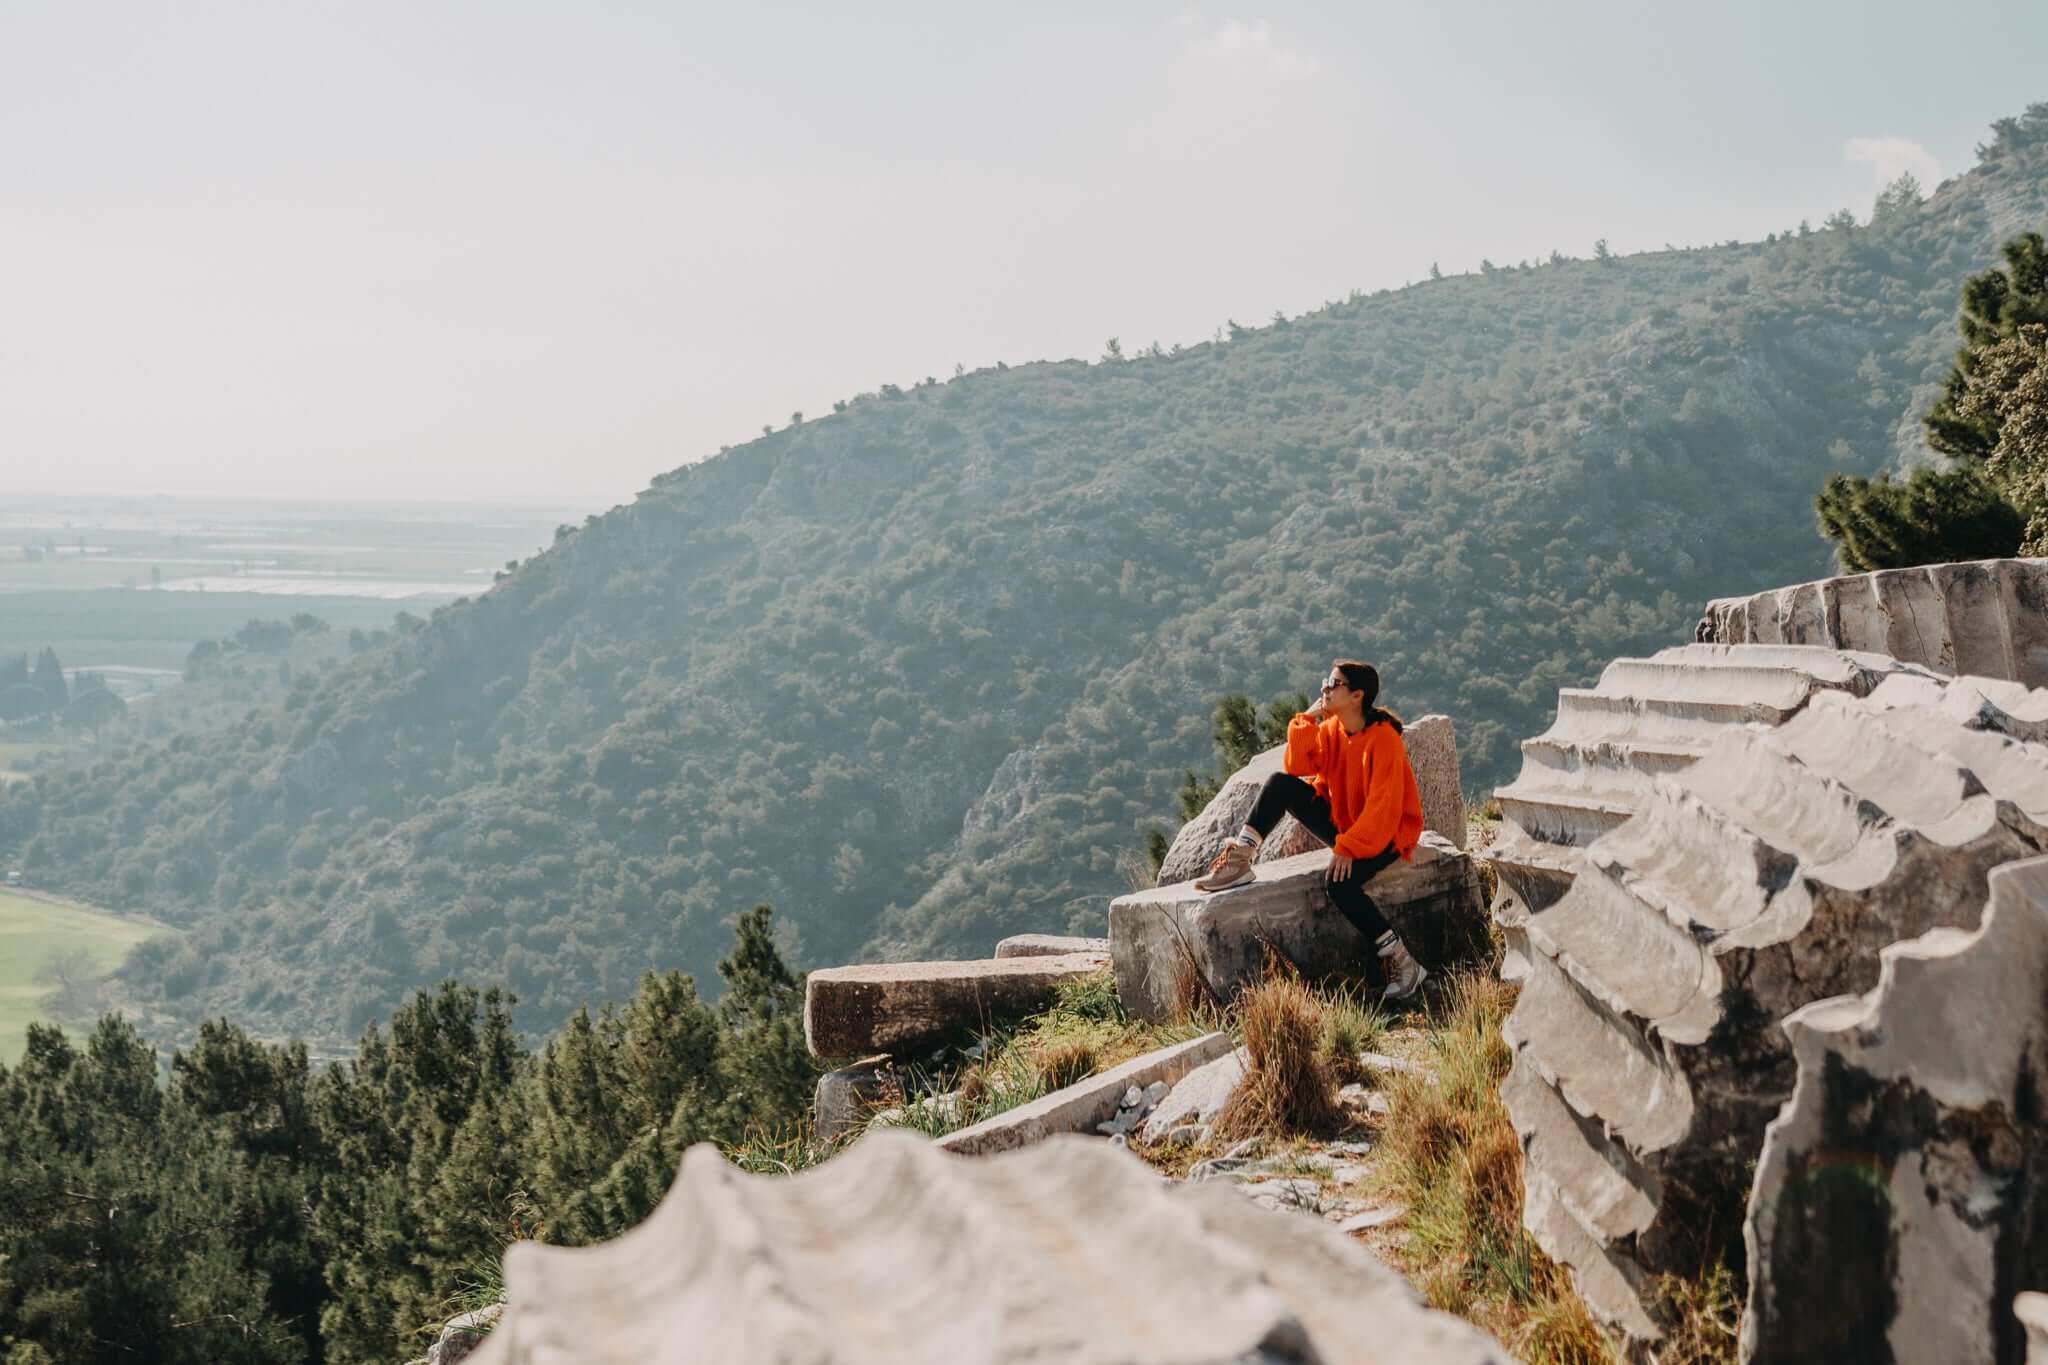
{"x":1233,"y":867}
{"x":1404,"y":974}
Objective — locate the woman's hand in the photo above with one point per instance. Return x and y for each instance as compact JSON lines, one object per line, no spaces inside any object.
{"x":1340,"y":867}
{"x":1317,"y":710}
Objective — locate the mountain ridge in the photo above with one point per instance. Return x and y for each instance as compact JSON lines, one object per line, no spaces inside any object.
{"x":922,"y":672}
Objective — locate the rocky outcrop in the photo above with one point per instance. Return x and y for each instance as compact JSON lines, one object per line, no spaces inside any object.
{"x":1644,"y":719}
{"x":894,"y":1007}
{"x":1175,"y":945}
{"x":1766,"y":875}
{"x":1987,"y":618}
{"x":1903,"y":1191}
{"x":897,"y":1252}
{"x":1432,"y":752}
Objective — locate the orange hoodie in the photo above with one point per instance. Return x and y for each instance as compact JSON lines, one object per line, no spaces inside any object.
{"x":1366,"y":779}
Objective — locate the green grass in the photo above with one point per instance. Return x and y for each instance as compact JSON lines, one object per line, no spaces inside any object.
{"x":31,"y":930}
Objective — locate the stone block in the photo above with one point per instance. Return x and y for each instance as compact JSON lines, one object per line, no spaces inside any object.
{"x":1904,"y":1188}
{"x":898,"y":1007}
{"x":1049,"y":945}
{"x":845,"y":1097}
{"x":898,"y":1253}
{"x":1986,"y":617}
{"x":1432,"y":753}
{"x":1433,"y":902}
{"x":1077,"y":1108}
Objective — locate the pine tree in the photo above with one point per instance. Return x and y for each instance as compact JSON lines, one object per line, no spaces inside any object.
{"x":1996,"y":304}
{"x":1935,"y":516}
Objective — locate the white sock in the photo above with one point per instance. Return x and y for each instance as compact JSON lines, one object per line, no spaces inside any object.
{"x":1387,"y":942}
{"x":1248,"y":837}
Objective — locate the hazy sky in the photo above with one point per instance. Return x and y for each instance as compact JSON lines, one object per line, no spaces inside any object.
{"x":547,"y":251}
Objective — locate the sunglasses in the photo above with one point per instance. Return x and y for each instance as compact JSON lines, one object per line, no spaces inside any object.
{"x":1334,"y":685}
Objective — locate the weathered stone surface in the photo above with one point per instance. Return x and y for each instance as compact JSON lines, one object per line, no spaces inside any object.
{"x":895,"y":1007}
{"x":1432,"y":746}
{"x":1765,"y":876}
{"x":1079,"y":1107}
{"x":1049,"y":945}
{"x":846,"y":1096}
{"x":1197,"y":1097}
{"x":1432,"y":753}
{"x":1904,"y":1188}
{"x":1156,"y":936}
{"x":897,"y":1252}
{"x":1644,"y":719}
{"x":1988,"y":617}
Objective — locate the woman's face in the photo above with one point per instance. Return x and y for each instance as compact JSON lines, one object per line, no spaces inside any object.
{"x":1337,"y":692}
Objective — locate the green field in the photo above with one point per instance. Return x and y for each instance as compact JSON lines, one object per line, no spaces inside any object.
{"x":95,"y":629}
{"x":30,"y":931}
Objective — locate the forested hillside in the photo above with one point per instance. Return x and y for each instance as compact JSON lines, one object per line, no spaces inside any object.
{"x":921,"y":672}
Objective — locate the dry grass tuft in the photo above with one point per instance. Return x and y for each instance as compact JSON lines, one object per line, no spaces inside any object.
{"x":1062,"y":1061}
{"x":1451,"y":1155}
{"x":1288,"y":1087}
{"x":1702,"y":1318}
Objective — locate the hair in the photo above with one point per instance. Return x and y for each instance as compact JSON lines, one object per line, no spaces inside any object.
{"x":1362,"y":677}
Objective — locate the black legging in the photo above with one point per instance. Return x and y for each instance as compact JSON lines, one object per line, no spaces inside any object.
{"x":1285,"y":794}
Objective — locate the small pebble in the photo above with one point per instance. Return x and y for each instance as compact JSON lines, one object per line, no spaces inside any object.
{"x":1133,"y":1097}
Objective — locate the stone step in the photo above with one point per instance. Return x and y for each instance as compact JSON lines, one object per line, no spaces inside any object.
{"x":1559,"y":814}
{"x":899,"y":1007}
{"x":898,"y":1253}
{"x":1172,"y":938}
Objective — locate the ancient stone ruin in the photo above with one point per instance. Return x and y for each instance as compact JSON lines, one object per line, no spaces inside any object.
{"x":1742,"y":833}
{"x":1987,"y":618}
{"x":896,"y":1253}
{"x":1900,"y":1193}
{"x":1644,"y":719}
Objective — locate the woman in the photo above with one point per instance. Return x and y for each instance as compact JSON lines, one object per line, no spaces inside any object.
{"x":1360,"y":799}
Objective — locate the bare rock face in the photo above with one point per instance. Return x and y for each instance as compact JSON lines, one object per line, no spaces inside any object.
{"x":1432,"y":752}
{"x":1175,"y":938}
{"x":897,"y":1007}
{"x":1904,"y":1189}
{"x":895,"y":1252}
{"x":1987,"y":618}
{"x":1766,"y":875}
{"x":1645,"y":719}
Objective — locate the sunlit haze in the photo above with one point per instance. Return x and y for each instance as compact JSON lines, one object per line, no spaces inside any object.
{"x":546,"y":252}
